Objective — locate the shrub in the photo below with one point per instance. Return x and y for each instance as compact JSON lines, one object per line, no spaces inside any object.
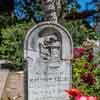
{"x":12,"y":35}
{"x":11,"y":42}
{"x":86,"y":74}
{"x":80,"y":32}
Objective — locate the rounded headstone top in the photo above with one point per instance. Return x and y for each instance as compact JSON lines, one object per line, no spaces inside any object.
{"x":48,"y":32}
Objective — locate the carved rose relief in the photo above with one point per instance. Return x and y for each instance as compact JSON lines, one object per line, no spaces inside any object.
{"x":50,"y":47}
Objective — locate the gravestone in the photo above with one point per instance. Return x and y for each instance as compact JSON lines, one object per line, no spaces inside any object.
{"x":47,"y":54}
{"x":96,"y":50}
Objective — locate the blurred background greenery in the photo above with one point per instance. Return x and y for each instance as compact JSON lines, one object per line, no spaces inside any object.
{"x":12,"y":34}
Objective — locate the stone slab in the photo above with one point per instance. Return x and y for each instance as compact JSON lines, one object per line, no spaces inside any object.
{"x":15,"y":86}
{"x":3,"y":79}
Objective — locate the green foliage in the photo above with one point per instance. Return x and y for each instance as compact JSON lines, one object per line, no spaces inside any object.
{"x":90,"y":85}
{"x":11,"y":42}
{"x":6,"y":20}
{"x":12,"y":34}
{"x":80,"y":32}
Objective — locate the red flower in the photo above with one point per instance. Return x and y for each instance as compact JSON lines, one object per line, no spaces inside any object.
{"x":84,"y":78}
{"x":82,"y":50}
{"x":89,"y":78}
{"x":90,"y":56}
{"x":78,"y":52}
{"x":86,"y":65}
{"x":95,"y":65}
{"x":81,"y":98}
{"x":92,"y":98}
{"x":73,"y":92}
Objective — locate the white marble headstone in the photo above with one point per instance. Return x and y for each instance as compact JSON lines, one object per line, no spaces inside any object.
{"x":48,"y":51}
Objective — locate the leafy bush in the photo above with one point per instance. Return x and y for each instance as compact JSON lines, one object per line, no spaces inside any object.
{"x":86,"y":72}
{"x":6,"y":20}
{"x":12,"y":34}
{"x":80,"y":32}
{"x":11,"y":42}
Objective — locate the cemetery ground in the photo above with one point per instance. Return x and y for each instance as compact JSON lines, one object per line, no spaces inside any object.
{"x":84,"y":67}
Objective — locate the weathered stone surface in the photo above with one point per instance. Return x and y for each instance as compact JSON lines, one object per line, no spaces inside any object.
{"x":14,"y":89}
{"x":96,"y":50}
{"x":3,"y":79}
{"x":50,"y":10}
{"x":47,"y":52}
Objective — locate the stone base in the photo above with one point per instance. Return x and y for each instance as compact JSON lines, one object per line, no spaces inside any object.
{"x":3,"y":81}
{"x":14,"y":89}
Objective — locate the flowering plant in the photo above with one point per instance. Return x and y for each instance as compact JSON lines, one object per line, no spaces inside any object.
{"x":78,"y":95}
{"x":73,"y":92}
{"x":86,"y":72}
{"x":86,"y":98}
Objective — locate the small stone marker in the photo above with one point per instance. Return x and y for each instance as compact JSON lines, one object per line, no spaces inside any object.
{"x":47,"y":52}
{"x":96,"y":50}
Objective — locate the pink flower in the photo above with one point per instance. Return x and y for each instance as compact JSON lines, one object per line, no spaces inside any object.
{"x":78,"y":52}
{"x":90,"y":56}
{"x":82,"y":50}
{"x":92,"y":98}
{"x":95,"y":65}
{"x":86,"y":98}
{"x":81,"y":98}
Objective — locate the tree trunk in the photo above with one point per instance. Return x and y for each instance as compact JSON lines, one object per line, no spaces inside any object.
{"x":50,"y":10}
